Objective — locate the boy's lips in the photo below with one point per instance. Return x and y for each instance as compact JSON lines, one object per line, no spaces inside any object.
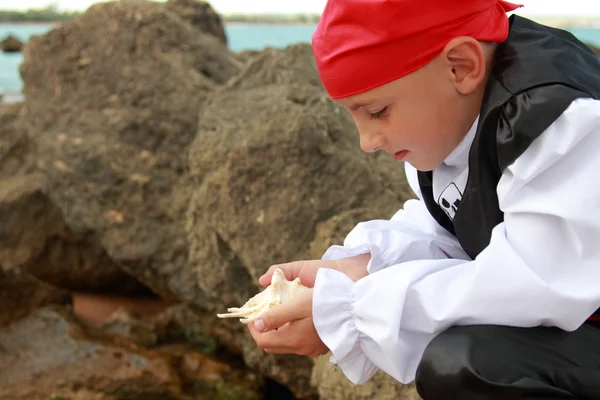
{"x":400,"y":155}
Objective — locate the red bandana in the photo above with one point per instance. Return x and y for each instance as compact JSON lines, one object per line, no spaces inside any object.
{"x":362,"y":44}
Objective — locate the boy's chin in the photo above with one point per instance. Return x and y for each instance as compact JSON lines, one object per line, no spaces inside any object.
{"x":423,"y":165}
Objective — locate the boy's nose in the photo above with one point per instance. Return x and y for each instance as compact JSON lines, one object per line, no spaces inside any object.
{"x":371,"y":142}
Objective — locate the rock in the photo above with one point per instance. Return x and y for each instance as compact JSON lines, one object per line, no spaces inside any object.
{"x":28,"y":217}
{"x":206,"y":378}
{"x":147,"y":157}
{"x":200,"y":15}
{"x":270,"y":183}
{"x":11,"y":44}
{"x":20,"y":294}
{"x":108,"y":311}
{"x":113,"y":98}
{"x":186,"y":335}
{"x":17,"y":151}
{"x":47,"y":355}
{"x":333,"y":385}
{"x":293,"y":65}
{"x":247,"y":56}
{"x":34,"y":237}
{"x":56,"y":358}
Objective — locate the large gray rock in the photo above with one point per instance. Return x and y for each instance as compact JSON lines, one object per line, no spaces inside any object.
{"x":146,"y":155}
{"x":47,"y":355}
{"x":331,"y":384}
{"x":17,"y":151}
{"x":277,"y":183}
{"x":11,"y":44}
{"x":113,"y":99}
{"x":21,"y":294}
{"x":200,"y":15}
{"x":34,"y":237}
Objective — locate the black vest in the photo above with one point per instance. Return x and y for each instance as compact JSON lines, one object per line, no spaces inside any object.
{"x":538,"y":72}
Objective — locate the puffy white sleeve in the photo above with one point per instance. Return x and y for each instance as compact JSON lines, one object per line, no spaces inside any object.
{"x":411,"y":234}
{"x":542,"y":266}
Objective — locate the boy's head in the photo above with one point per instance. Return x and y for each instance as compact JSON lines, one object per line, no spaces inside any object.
{"x":411,"y":72}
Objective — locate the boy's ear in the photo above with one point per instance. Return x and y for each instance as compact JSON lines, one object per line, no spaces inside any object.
{"x":464,"y":61}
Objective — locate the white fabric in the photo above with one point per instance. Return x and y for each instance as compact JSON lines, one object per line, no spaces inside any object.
{"x":542,"y":266}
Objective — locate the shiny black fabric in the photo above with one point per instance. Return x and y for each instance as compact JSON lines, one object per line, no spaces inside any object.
{"x":503,"y":363}
{"x":538,"y":72}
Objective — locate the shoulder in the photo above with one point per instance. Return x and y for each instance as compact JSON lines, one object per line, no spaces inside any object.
{"x":567,"y":148}
{"x":582,"y":113}
{"x":579,"y":122}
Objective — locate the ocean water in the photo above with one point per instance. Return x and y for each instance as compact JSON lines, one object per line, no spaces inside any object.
{"x":241,"y":37}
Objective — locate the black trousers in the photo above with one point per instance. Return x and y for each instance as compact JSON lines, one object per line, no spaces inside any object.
{"x":486,"y":362}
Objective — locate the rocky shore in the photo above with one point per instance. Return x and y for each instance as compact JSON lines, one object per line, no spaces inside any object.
{"x":11,"y":44}
{"x":147,"y":179}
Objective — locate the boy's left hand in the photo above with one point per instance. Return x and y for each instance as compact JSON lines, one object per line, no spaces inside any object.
{"x":288,"y":329}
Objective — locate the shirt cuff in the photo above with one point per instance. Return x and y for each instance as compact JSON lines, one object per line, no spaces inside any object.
{"x":334,"y":321}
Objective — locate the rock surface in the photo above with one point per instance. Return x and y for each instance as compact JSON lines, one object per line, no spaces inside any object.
{"x":149,"y":165}
{"x":17,"y":154}
{"x":11,"y":44}
{"x":34,"y":236}
{"x":331,"y":384}
{"x":274,"y":183}
{"x":47,"y":355}
{"x":21,"y":294}
{"x":113,"y":98}
{"x":200,"y":15}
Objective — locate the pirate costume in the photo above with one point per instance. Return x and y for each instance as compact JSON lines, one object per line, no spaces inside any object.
{"x":487,"y":285}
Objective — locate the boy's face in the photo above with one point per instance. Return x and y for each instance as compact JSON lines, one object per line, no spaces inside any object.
{"x":419,"y":118}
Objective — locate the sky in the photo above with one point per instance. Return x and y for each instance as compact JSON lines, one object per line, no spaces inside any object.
{"x":589,"y":8}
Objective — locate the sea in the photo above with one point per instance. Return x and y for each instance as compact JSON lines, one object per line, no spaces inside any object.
{"x":240,"y":36}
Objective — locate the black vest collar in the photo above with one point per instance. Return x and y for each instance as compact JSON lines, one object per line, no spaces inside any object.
{"x":538,"y":72}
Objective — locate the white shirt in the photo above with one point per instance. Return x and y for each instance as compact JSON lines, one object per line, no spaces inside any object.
{"x":542,"y":266}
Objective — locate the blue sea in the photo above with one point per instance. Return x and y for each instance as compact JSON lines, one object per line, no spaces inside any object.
{"x":240,"y":36}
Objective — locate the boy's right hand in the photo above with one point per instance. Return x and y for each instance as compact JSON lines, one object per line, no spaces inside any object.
{"x":354,"y":267}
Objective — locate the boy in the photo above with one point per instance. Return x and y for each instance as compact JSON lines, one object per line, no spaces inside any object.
{"x":487,"y":285}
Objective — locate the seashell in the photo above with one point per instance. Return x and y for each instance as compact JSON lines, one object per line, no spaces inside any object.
{"x":279,"y":291}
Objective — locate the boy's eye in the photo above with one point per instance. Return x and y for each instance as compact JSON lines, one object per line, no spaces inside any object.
{"x":378,"y":114}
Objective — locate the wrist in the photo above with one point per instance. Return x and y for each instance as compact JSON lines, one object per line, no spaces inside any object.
{"x":354,"y":267}
{"x":362,"y":259}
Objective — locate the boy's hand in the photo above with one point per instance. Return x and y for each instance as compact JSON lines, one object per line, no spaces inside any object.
{"x":288,"y":329}
{"x":354,"y":267}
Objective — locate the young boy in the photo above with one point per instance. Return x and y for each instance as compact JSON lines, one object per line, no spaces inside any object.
{"x":486,"y":286}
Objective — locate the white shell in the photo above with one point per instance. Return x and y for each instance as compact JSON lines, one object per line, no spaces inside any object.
{"x":279,"y":291}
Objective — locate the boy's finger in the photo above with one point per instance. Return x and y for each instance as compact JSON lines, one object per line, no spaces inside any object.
{"x":265,"y":280}
{"x":275,"y":318}
{"x":306,"y":270}
{"x":274,"y":340}
{"x":291,"y":271}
